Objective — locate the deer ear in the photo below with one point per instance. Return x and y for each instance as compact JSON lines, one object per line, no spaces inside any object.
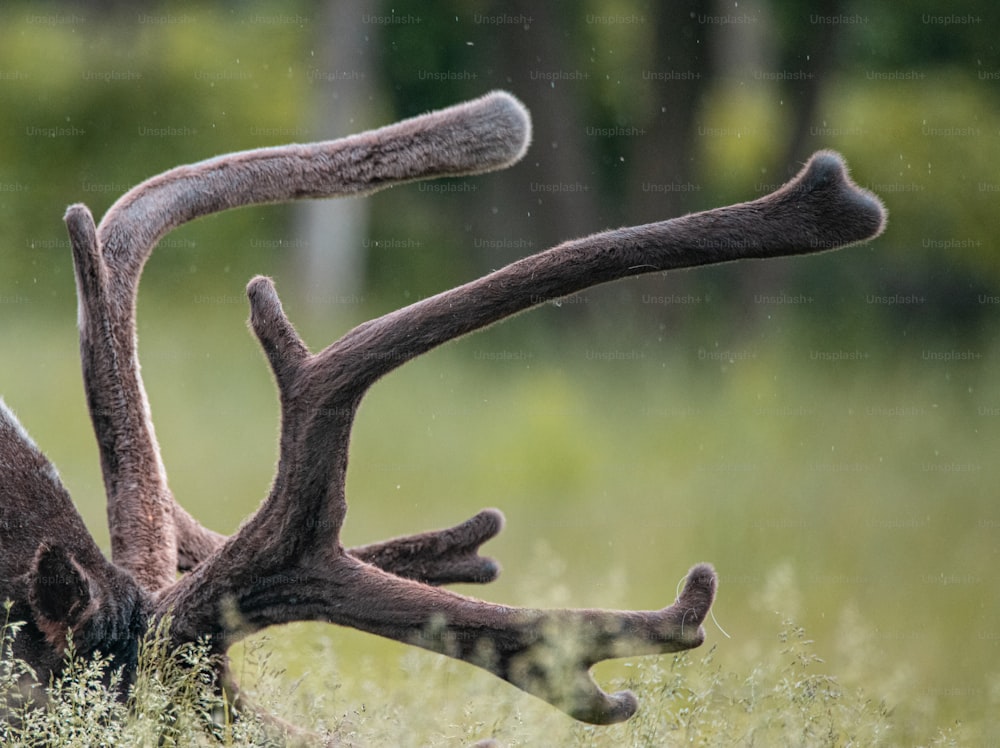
{"x":60,"y":592}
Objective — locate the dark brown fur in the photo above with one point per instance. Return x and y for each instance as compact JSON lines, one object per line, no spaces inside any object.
{"x":286,"y":563}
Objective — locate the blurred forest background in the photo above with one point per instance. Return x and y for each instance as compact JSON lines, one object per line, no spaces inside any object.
{"x":829,"y":421}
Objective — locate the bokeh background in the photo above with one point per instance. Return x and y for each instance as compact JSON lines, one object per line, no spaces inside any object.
{"x":821,"y":428}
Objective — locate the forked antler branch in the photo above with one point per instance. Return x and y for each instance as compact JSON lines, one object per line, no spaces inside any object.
{"x":286,"y":563}
{"x":488,"y":133}
{"x":525,"y":647}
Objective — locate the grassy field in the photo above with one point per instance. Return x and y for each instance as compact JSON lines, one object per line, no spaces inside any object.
{"x":842,"y":486}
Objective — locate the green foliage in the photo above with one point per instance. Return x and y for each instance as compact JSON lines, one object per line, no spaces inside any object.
{"x":108,"y":105}
{"x":788,"y":697}
{"x":81,"y":708}
{"x":174,"y":701}
{"x":168,"y":677}
{"x":13,"y":674}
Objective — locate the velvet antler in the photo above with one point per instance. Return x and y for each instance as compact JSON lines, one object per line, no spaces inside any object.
{"x":286,"y":563}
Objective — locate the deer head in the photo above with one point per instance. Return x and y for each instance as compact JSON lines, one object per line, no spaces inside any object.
{"x":286,"y":563}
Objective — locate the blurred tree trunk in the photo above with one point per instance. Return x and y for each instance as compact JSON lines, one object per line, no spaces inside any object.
{"x":804,"y":54}
{"x":814,"y":52}
{"x":330,"y":263}
{"x":664,"y":180}
{"x":663,"y":175}
{"x":553,"y":194}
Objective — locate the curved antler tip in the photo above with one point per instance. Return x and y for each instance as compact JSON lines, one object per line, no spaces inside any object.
{"x":699,"y":591}
{"x":607,"y":709}
{"x":703,"y":573}
{"x":265,"y":306}
{"x":509,"y":123}
{"x":823,"y":169}
{"x":509,"y":106}
{"x":829,"y":158}
{"x":260,"y":285}
{"x":827,"y":169}
{"x":493,"y":521}
{"x":80,"y":224}
{"x":500,"y":98}
{"x":282,"y":344}
{"x":83,"y":239}
{"x":263,"y":298}
{"x":76,"y":212}
{"x":484,"y":571}
{"x":625,"y":705}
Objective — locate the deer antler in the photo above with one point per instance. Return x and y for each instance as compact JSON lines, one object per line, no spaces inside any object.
{"x":319,"y":396}
{"x":151,"y":535}
{"x":286,"y":563}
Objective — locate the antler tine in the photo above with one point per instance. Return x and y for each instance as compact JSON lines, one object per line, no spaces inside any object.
{"x":140,"y":508}
{"x":440,"y":557}
{"x":151,"y":535}
{"x":819,"y":209}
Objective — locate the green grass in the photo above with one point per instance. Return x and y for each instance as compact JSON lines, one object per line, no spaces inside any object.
{"x":788,"y":697}
{"x":173,"y":701}
{"x":853,"y":497}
